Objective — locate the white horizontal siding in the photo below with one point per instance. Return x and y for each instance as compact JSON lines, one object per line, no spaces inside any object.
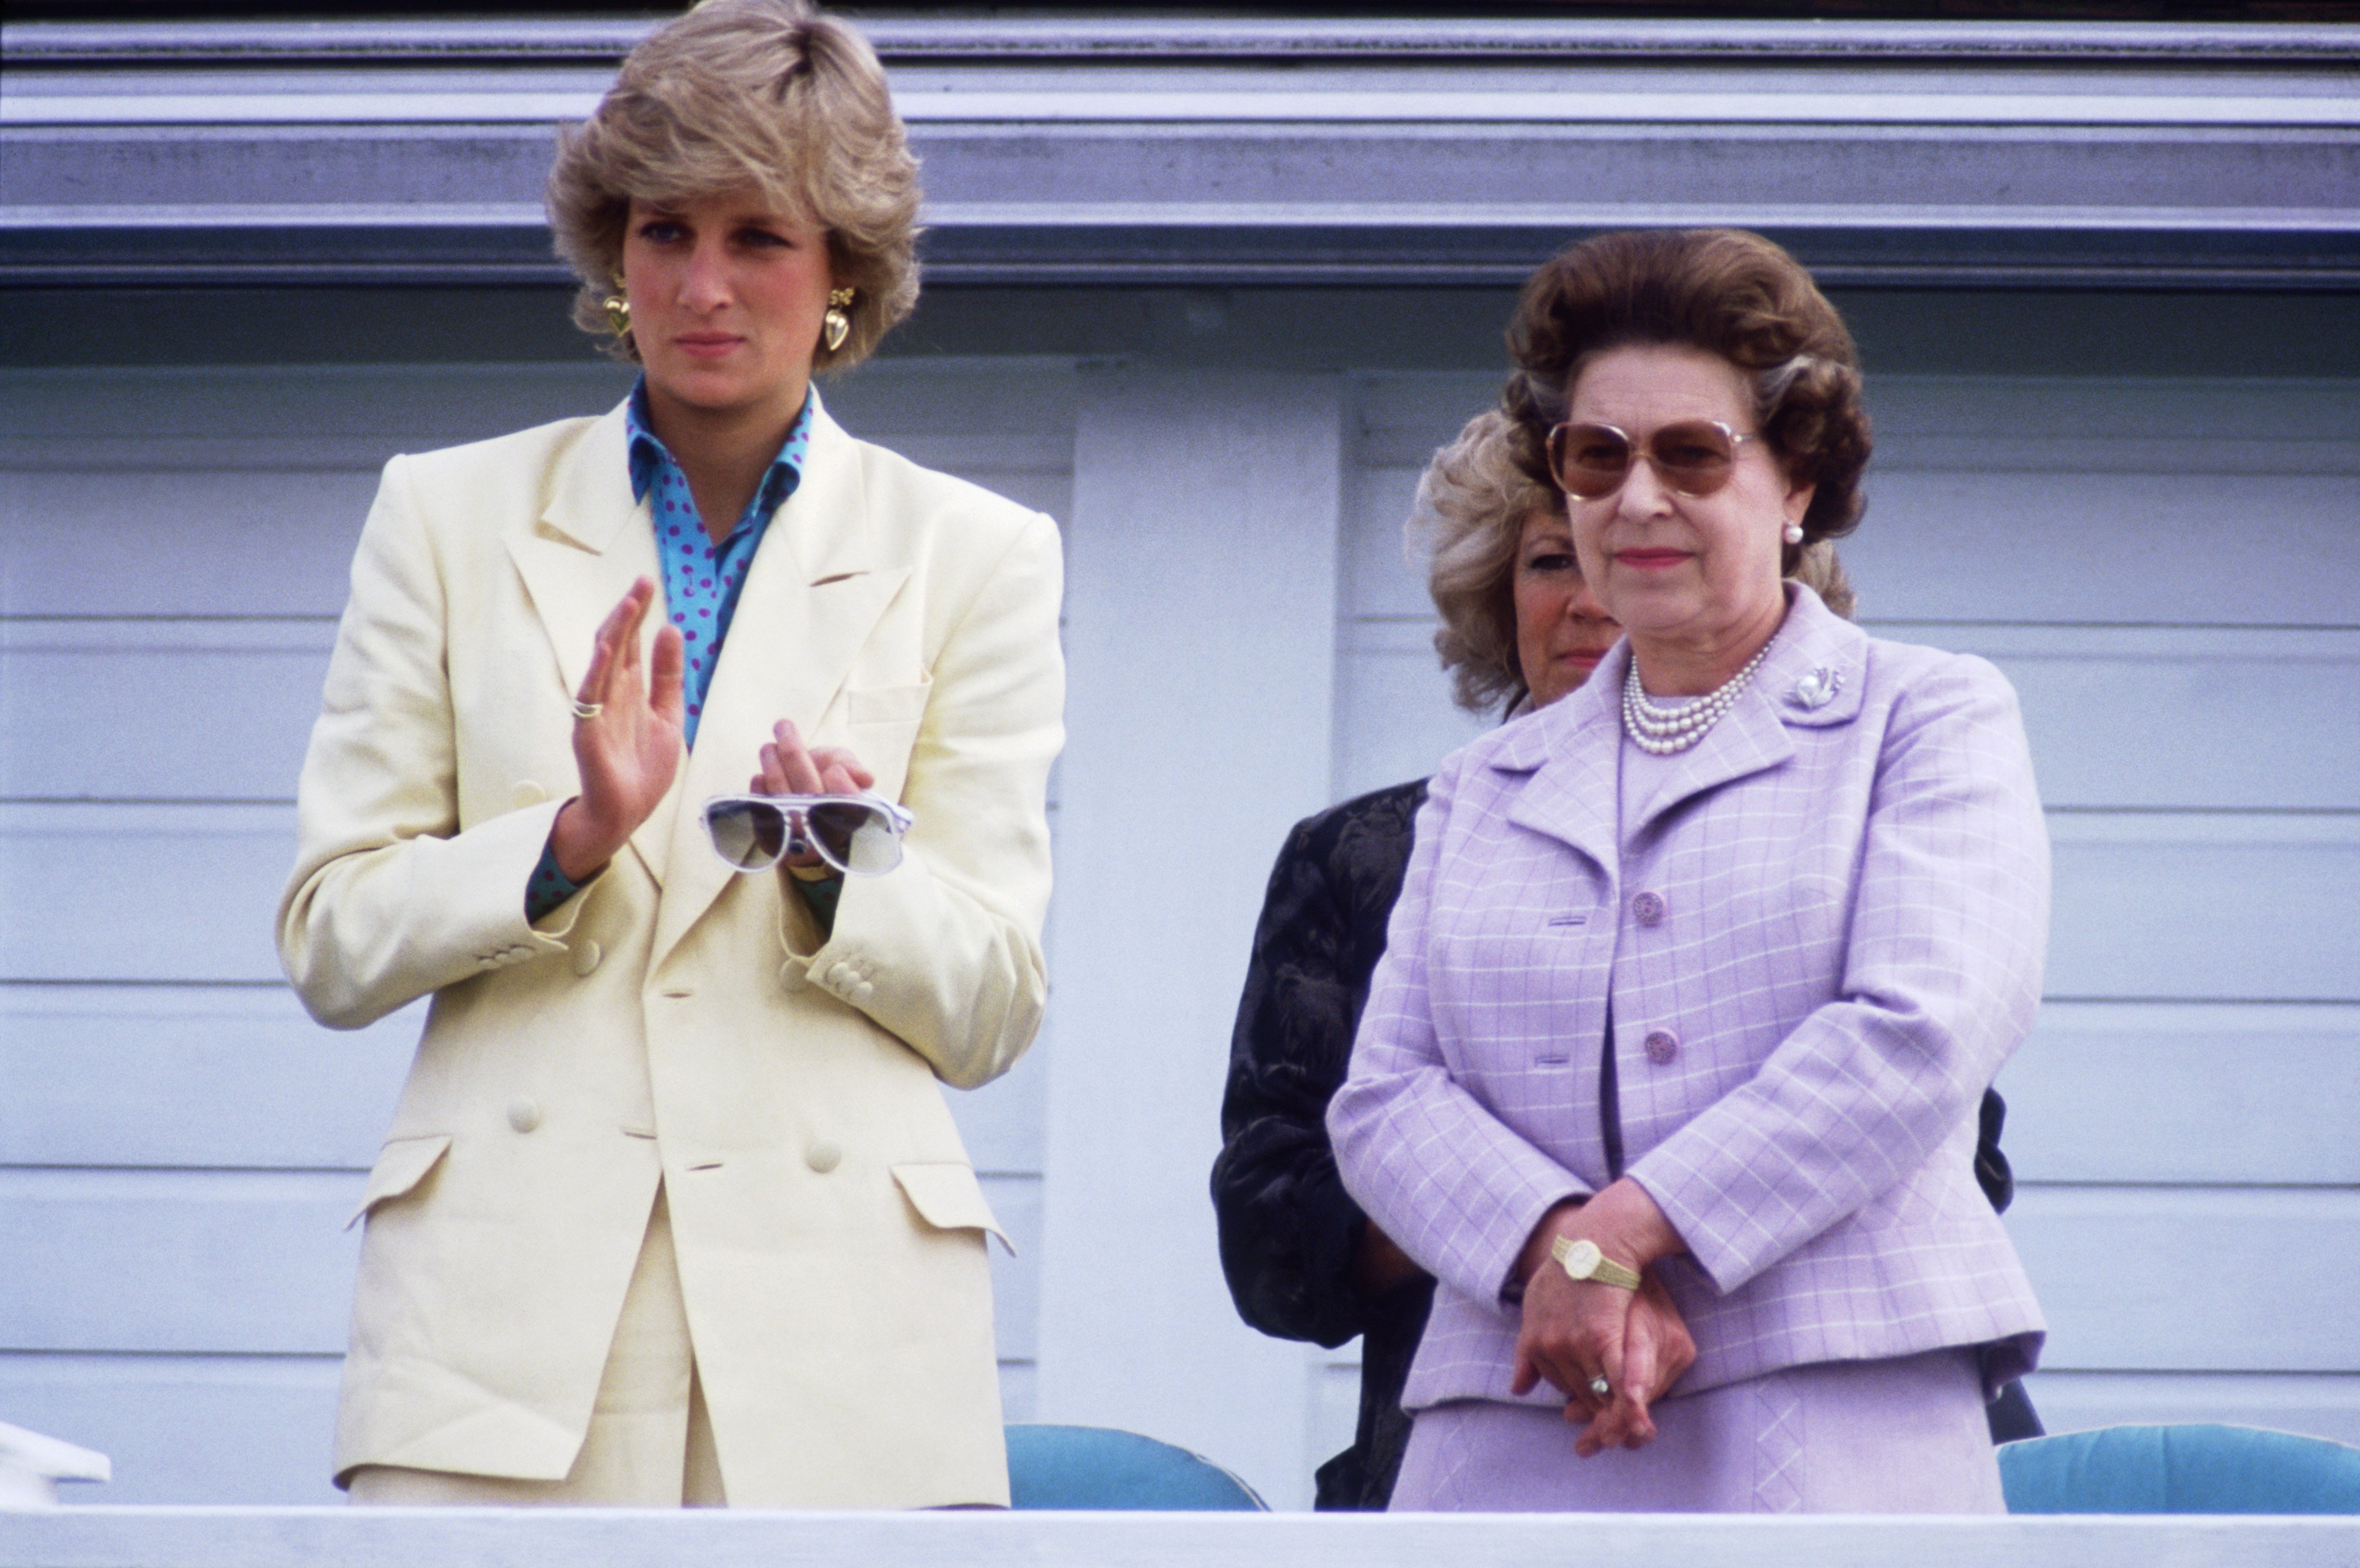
{"x":179,"y":1144}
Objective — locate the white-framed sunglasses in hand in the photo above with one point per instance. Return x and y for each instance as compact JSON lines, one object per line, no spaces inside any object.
{"x":858,"y":834}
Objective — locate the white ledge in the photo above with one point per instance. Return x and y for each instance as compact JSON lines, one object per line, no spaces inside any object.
{"x":394,"y":1538}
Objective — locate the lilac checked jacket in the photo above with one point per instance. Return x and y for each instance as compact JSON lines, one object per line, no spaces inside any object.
{"x":1822,"y":934}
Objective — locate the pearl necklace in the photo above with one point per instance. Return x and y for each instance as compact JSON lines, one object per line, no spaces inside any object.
{"x":1661,"y":732}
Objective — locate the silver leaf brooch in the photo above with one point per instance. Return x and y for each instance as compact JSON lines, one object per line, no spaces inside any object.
{"x":1818,"y":688}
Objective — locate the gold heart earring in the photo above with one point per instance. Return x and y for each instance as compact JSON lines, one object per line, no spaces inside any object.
{"x":835,"y":326}
{"x":619,"y":309}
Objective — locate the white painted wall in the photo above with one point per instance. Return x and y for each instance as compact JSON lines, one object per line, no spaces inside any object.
{"x":2169,"y":572}
{"x":1200,"y":608}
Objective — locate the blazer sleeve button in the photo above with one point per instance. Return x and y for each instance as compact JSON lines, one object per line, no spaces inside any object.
{"x":524,"y":1114}
{"x":824,"y":1156}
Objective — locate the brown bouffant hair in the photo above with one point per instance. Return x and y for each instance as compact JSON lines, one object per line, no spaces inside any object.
{"x":1730,"y":293}
{"x":738,"y":93}
{"x":1467,"y":521}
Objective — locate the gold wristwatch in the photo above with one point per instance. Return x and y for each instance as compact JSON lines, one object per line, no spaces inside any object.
{"x":1582,"y":1260}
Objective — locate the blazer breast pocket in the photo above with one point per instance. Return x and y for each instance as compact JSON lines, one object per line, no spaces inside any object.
{"x":881,"y":725}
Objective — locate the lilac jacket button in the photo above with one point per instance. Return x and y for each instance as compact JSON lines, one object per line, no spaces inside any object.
{"x":1647,"y":908}
{"x":1662,"y":1046}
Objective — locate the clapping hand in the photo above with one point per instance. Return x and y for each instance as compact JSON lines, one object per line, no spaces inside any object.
{"x":627,"y":738}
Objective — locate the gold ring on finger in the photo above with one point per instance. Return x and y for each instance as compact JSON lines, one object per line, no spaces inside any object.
{"x":1601,"y":1387}
{"x":583,"y":710}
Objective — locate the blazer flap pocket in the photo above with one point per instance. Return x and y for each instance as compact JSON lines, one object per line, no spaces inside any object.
{"x":948,"y":1197}
{"x":886,"y":704}
{"x":401,"y":1165}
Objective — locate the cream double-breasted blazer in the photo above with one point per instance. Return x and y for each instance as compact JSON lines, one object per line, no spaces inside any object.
{"x":676,"y":1021}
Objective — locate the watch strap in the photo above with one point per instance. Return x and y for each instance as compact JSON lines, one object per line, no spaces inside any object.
{"x":1582,"y":1260}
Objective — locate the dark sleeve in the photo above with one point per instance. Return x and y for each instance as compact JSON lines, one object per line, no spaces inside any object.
{"x":1992,"y":1172}
{"x":1289,"y":1233}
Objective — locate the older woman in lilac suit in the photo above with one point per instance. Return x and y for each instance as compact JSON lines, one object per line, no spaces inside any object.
{"x":1698,"y":975}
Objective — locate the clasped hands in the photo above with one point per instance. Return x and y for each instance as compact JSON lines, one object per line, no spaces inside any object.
{"x":1575,"y":1332}
{"x":627,"y":747}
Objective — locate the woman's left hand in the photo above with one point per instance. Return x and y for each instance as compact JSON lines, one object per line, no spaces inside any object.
{"x":790,"y":767}
{"x":1575,"y":1331}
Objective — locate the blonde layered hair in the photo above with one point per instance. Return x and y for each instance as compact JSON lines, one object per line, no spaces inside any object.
{"x":739,"y":94}
{"x":1468,"y":519}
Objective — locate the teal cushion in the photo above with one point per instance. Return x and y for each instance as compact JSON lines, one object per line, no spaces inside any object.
{"x":2196,"y":1469}
{"x":1100,"y":1467}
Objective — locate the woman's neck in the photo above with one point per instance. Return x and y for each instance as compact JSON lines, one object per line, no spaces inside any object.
{"x":1690,"y":666}
{"x":724,"y":453}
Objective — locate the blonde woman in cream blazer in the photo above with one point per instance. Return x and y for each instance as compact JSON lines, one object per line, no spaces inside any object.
{"x":673,"y":1209}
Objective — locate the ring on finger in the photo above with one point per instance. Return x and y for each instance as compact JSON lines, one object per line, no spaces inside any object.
{"x":1601,"y":1387}
{"x":583,"y":710}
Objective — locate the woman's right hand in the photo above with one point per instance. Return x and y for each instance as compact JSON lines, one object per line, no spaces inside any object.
{"x":1573,"y":1330}
{"x":628,"y":753}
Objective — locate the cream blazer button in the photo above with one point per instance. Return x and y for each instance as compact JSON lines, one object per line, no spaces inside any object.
{"x":528,"y":793}
{"x":824,"y":1156}
{"x":586,"y":955}
{"x":524,"y":1114}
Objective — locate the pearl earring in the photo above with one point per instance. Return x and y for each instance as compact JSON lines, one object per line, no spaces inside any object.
{"x":1794,"y":533}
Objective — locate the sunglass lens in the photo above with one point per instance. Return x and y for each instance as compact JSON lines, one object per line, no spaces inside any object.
{"x":749,"y":833}
{"x":1591,"y":459}
{"x":857,"y":838}
{"x":1695,"y":458}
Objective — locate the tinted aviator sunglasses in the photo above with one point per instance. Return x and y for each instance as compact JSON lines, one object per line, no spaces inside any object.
{"x":1692,"y":457}
{"x":858,"y":834}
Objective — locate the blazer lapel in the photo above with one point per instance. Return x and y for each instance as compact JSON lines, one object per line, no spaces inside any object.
{"x":1810,"y":678}
{"x":1570,"y":747}
{"x":814,"y":591}
{"x":590,"y":542}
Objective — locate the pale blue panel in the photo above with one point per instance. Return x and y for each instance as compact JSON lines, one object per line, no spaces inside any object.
{"x":258,"y":1263}
{"x":1016,"y":1278}
{"x":1401,"y":416}
{"x":248,"y":1262}
{"x":162,"y":1075}
{"x":2320,"y":1405}
{"x":1000,"y":1123}
{"x":2157,"y":546}
{"x":144,"y":892}
{"x":158,"y":710}
{"x":2106,"y":1091}
{"x":203,"y":542}
{"x":2179,"y":716}
{"x":227,"y":415}
{"x":1384,"y":565}
{"x":1395,"y":716}
{"x":1019,"y":1384}
{"x":2193,"y":1278}
{"x":2302,"y":425}
{"x":186,"y":1429}
{"x":2198,"y":906}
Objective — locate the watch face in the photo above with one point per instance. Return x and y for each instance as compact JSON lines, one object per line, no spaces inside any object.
{"x":1581,"y":1258}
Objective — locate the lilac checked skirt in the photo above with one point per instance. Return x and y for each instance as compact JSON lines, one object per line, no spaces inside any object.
{"x":1907,"y":1435}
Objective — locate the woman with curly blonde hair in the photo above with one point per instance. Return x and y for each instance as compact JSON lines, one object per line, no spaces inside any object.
{"x":672,"y":1210}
